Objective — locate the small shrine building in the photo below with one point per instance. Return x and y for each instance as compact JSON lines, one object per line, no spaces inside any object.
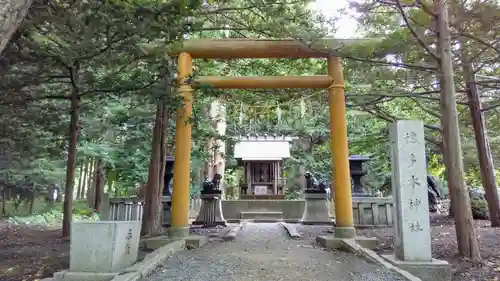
{"x":262,"y":158}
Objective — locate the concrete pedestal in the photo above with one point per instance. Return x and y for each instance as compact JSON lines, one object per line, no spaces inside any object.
{"x":103,"y":246}
{"x":434,"y":270}
{"x":166,"y":201}
{"x":210,"y":211}
{"x":316,"y":209}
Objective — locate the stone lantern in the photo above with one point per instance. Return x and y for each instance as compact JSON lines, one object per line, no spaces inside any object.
{"x":169,"y":175}
{"x":166,"y":199}
{"x":357,"y":172}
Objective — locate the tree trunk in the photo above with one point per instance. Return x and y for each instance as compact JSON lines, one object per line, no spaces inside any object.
{"x":151,"y":224}
{"x":205,"y":170}
{"x":80,"y":179}
{"x":32,"y":199}
{"x":466,"y":239}
{"x":70,"y":170}
{"x":4,"y":199}
{"x":163,"y":153}
{"x":90,"y":171}
{"x":92,"y":186}
{"x":85,"y":179}
{"x":12,"y":14}
{"x":483,"y":149}
{"x":99,"y":184}
{"x":90,"y":176}
{"x":111,"y":176}
{"x":217,"y":146}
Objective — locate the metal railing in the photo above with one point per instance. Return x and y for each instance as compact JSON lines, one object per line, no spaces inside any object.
{"x":194,"y":207}
{"x":131,"y":208}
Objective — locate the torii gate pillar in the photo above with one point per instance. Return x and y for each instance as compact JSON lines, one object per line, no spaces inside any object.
{"x":344,"y":227}
{"x":182,"y":168}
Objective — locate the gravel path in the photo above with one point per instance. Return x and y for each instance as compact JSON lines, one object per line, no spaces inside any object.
{"x":264,"y":252}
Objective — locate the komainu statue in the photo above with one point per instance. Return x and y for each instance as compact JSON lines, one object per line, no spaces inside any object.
{"x":313,"y":185}
{"x":213,"y":186}
{"x":433,"y":194}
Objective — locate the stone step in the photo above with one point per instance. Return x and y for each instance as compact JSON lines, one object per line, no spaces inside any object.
{"x":261,"y":216}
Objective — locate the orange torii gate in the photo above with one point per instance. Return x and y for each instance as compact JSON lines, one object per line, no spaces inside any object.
{"x":263,"y":48}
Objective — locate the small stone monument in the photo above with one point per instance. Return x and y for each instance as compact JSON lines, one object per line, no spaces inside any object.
{"x":412,"y":241}
{"x":211,"y":205}
{"x":100,"y":250}
{"x":316,"y":207}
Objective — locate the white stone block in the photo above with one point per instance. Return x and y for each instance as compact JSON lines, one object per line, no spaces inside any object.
{"x":409,"y":187}
{"x":103,"y":246}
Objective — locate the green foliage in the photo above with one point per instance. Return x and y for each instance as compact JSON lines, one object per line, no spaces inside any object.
{"x":479,"y":209}
{"x":53,"y":218}
{"x":111,"y":54}
{"x":46,"y":214}
{"x":409,"y":91}
{"x":293,"y":184}
{"x":232,"y":182}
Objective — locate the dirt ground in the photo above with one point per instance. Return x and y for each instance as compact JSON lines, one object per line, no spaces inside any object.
{"x":30,"y":253}
{"x":444,"y":247}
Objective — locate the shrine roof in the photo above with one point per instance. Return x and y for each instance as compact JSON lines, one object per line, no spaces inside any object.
{"x":262,"y":148}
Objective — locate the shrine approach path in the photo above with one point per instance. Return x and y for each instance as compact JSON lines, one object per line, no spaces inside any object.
{"x":264,"y":251}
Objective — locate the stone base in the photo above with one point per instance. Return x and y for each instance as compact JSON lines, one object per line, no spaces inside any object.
{"x":367,"y":211}
{"x":140,"y":269}
{"x":335,"y":243}
{"x":311,"y":222}
{"x":291,"y":230}
{"x":167,"y":210}
{"x":83,"y":276}
{"x":435,"y":270}
{"x":208,"y":209}
{"x":345,"y":232}
{"x":360,"y":194}
{"x":156,"y":242}
{"x":266,"y":220}
{"x":217,"y":223}
{"x":195,"y":241}
{"x":316,"y":209}
{"x":262,"y":216}
{"x":178,"y":232}
{"x":191,"y":242}
{"x":262,"y":197}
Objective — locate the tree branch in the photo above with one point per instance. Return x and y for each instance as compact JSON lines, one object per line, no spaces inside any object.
{"x":426,"y":110}
{"x":404,"y":65}
{"x":490,"y":107}
{"x":479,"y":40}
{"x":119,"y":89}
{"x":414,"y":33}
